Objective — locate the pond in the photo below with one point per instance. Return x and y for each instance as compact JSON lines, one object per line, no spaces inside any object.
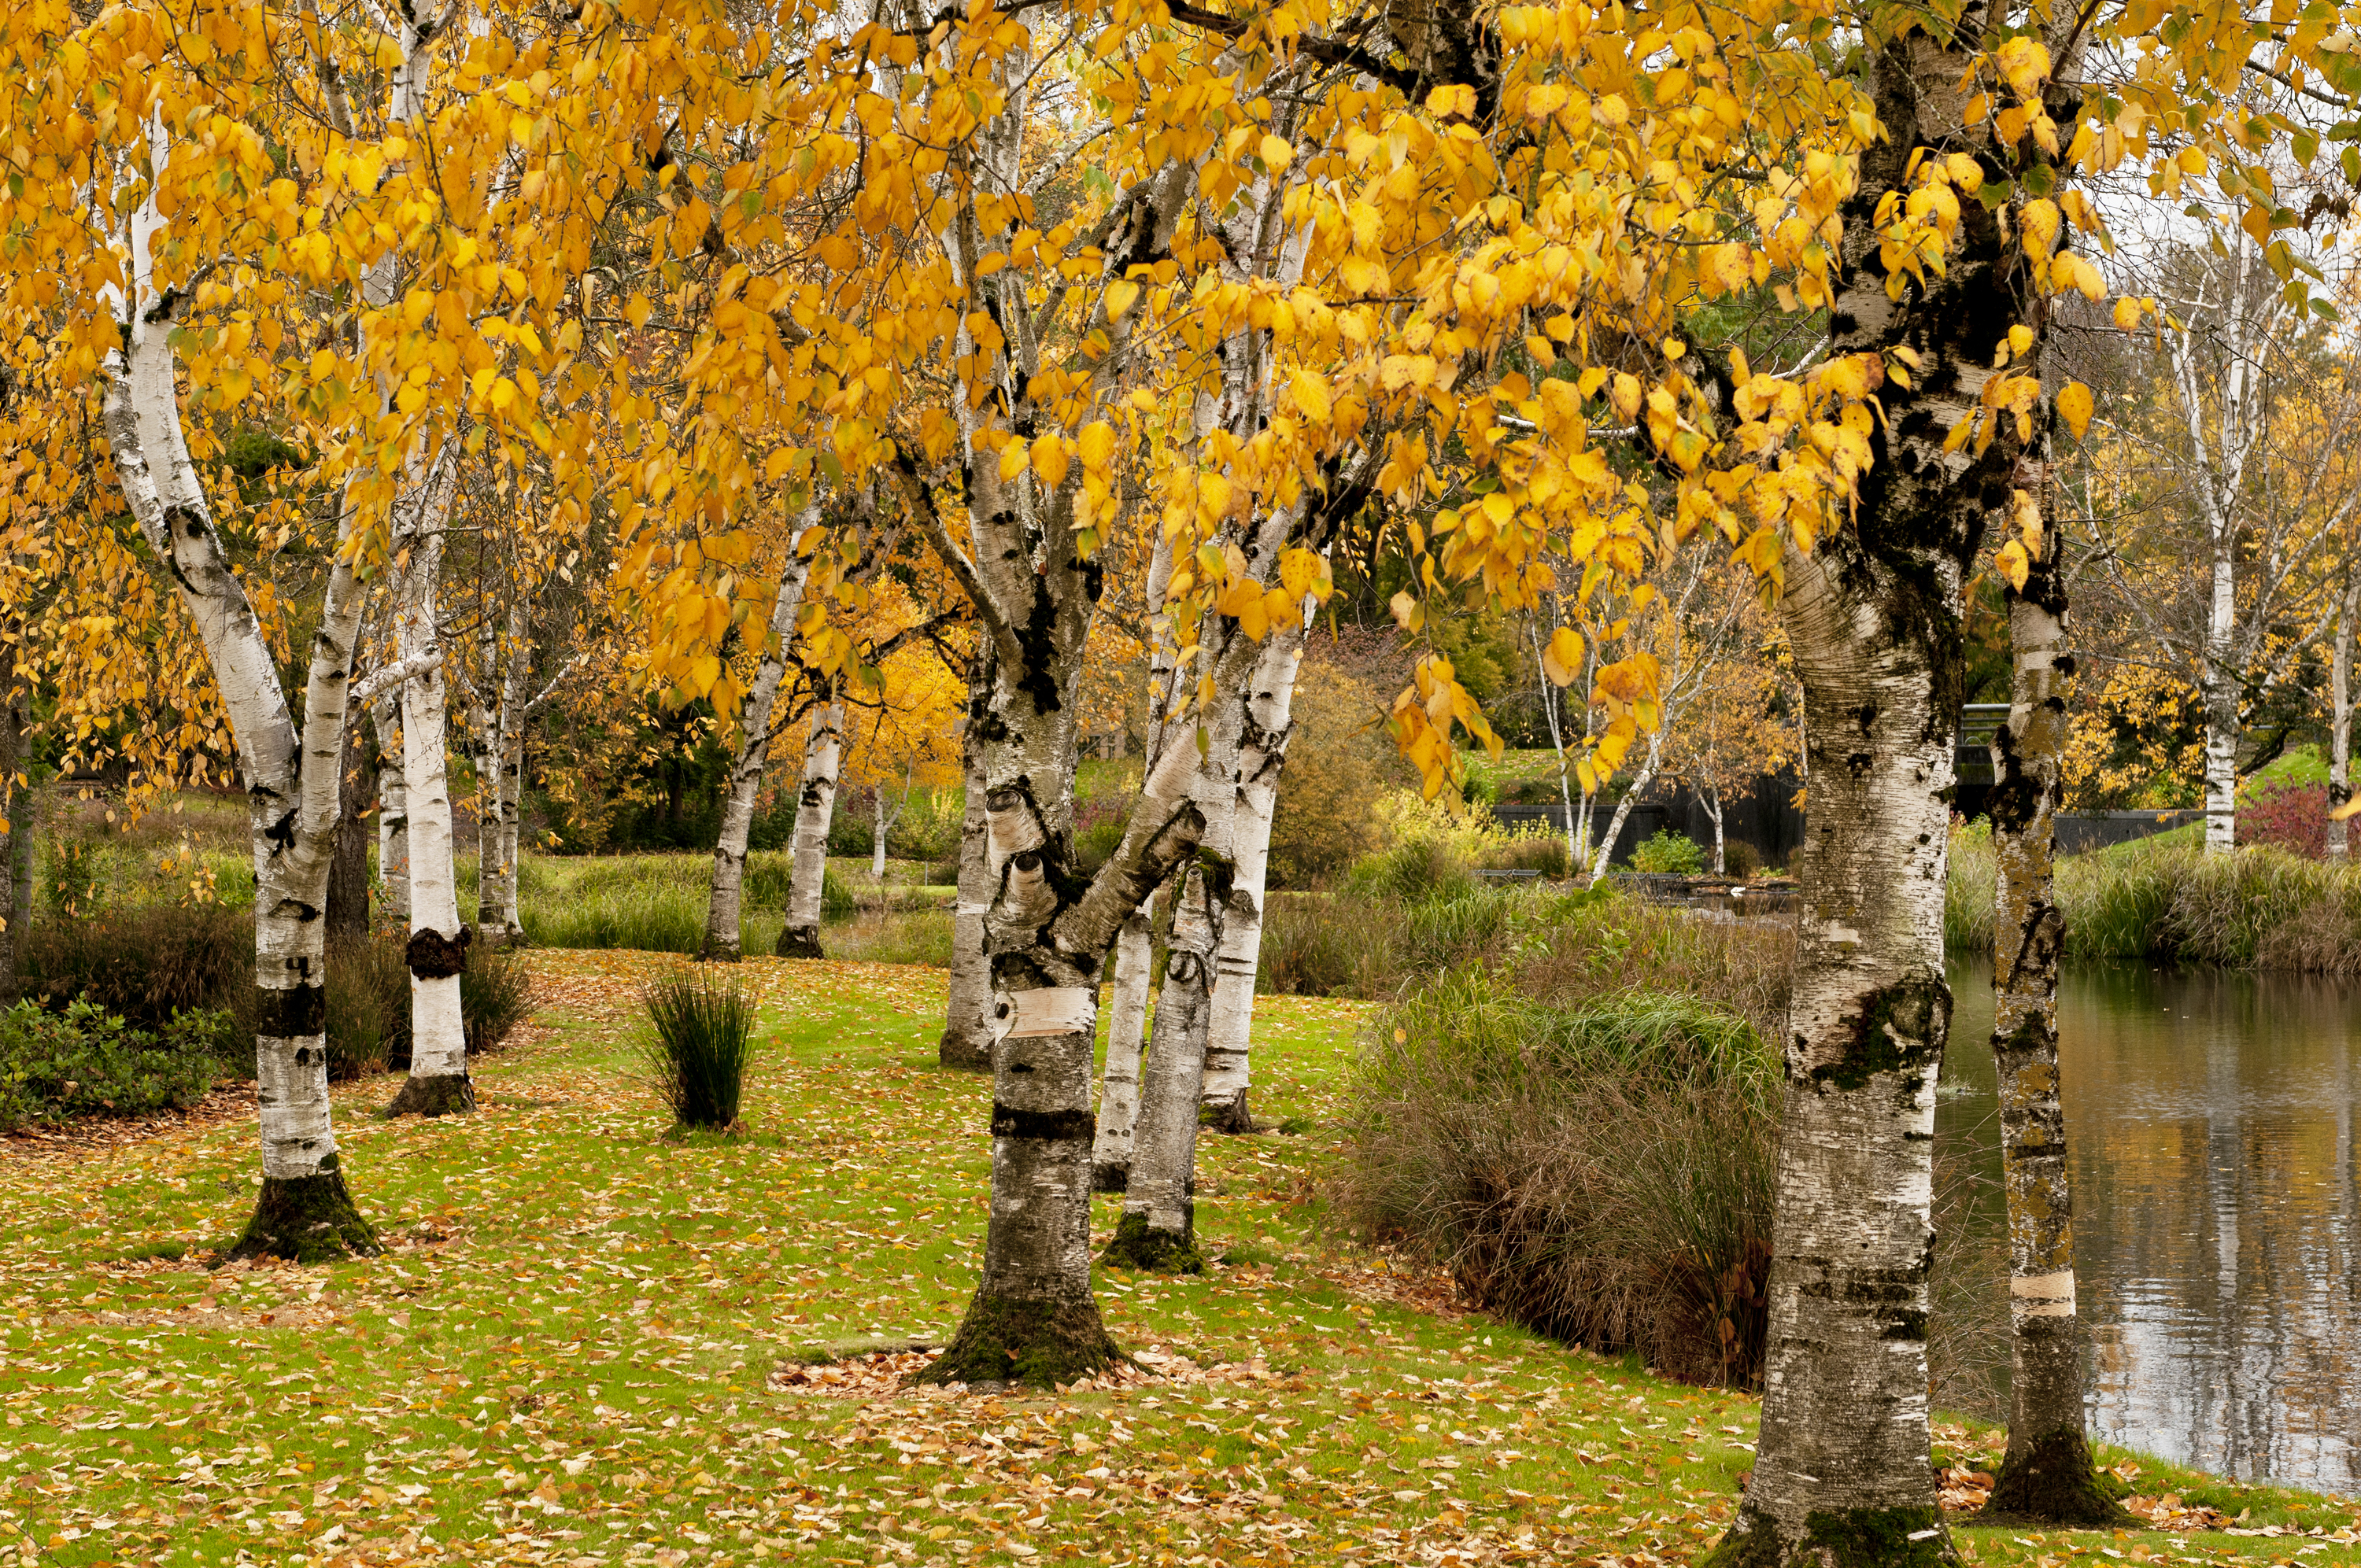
{"x":2217,"y":1227}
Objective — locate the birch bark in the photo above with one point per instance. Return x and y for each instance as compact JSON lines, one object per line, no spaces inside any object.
{"x":303,"y":1211}
{"x":1261,"y":756}
{"x":1158,"y":1228}
{"x":966,"y":1045}
{"x":815,"y":809}
{"x":348,"y":878}
{"x":1843,"y":1474}
{"x":727,"y":897}
{"x":392,"y":806}
{"x":499,"y":777}
{"x":2048,"y":1474}
{"x":436,"y":952}
{"x":2340,"y":729}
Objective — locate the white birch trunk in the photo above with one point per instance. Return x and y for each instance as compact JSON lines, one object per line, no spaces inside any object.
{"x":392,"y":806}
{"x":1640,"y":783}
{"x":878,"y":825}
{"x":1158,"y":1228}
{"x":1134,"y":957}
{"x":1262,"y":755}
{"x":498,"y":784}
{"x":2218,"y":688}
{"x":437,"y":949}
{"x":291,"y":779}
{"x":966,"y":1044}
{"x":726,"y":902}
{"x":1712,"y":799}
{"x":2340,"y":729}
{"x":815,"y":809}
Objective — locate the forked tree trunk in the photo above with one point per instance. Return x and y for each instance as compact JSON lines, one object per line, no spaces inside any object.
{"x":815,"y":809}
{"x":1261,"y":757}
{"x":2340,"y":729}
{"x":1712,"y":799}
{"x":724,"y":903}
{"x":303,"y":1211}
{"x":438,"y":1084}
{"x":1842,"y":1472}
{"x":2048,"y":1474}
{"x":392,"y":806}
{"x":1126,"y":1035}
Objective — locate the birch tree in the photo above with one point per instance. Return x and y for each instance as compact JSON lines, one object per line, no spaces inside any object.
{"x":814,"y":814}
{"x":754,"y":736}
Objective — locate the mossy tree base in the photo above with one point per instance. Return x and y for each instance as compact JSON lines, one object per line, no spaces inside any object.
{"x":1847,"y":1538}
{"x":715,"y":953}
{"x":1110,"y":1178}
{"x":305,"y":1219}
{"x":961,"y":1051}
{"x":799,"y":942}
{"x":1041,"y":1343}
{"x":446,"y":1094}
{"x":1232,"y":1118}
{"x":1138,"y":1246}
{"x":2054,"y":1480}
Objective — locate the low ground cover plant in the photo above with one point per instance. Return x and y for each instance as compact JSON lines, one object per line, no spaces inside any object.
{"x":82,"y":1061}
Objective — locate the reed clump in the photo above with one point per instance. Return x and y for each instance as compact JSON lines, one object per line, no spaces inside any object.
{"x":700,"y":1044}
{"x":2171,"y":901}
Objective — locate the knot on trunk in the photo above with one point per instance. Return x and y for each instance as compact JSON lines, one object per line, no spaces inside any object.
{"x":434,"y":956}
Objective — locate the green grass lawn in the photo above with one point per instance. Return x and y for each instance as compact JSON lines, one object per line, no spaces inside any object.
{"x":581,"y":1345}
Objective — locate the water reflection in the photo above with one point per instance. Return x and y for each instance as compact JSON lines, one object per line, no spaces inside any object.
{"x":2217,"y":1208}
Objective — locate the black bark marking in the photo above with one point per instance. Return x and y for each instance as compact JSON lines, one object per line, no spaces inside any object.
{"x":290,"y":1012}
{"x":434,"y":956}
{"x":1008,"y":1122}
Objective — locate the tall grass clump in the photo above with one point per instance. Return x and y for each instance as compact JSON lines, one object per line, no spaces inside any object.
{"x":1602,"y":1173}
{"x":1970,"y":887}
{"x":700,"y":1041}
{"x":144,"y":962}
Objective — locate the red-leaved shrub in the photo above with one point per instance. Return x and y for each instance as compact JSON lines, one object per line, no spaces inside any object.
{"x":2292,"y":816}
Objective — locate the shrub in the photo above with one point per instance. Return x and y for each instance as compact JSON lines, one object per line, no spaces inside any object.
{"x":1602,"y":1173}
{"x":1741,"y":858}
{"x":1340,"y":761}
{"x":1538,"y":849}
{"x":700,"y":1041}
{"x":1665,"y":852}
{"x":86,"y":1061}
{"x":2289,"y":817}
{"x":144,"y":962}
{"x":1417,"y":871}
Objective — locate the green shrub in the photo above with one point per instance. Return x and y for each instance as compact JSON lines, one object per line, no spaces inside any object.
{"x":1416,"y":871}
{"x":1603,"y":1173}
{"x":85,"y":1061}
{"x":1741,"y":858}
{"x":699,"y":1042}
{"x":495,"y":996}
{"x":1537,"y":849}
{"x":1667,"y":852}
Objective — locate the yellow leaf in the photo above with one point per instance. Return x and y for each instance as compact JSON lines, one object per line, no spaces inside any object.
{"x":1310,"y":396}
{"x":1119,"y":296}
{"x":2127,"y":314}
{"x":1562,"y":660}
{"x":2074,"y":406}
{"x":1275,"y":153}
{"x":2013,"y":564}
{"x":1050,"y":460}
{"x":1013,"y":458}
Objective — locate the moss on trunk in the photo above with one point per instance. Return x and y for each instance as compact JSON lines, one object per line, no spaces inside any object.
{"x":1138,"y":1246}
{"x":799,"y":942}
{"x":445,"y":1094}
{"x":1042,"y":1343}
{"x":1233,"y":1117}
{"x":1847,"y":1538}
{"x":2053,"y":1480}
{"x":306,"y":1219}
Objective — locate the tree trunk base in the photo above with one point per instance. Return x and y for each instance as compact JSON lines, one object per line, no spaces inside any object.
{"x":713,"y":952}
{"x":2054,"y":1481}
{"x":1850,"y":1538}
{"x":1230,"y":1116}
{"x":1040,"y":1343}
{"x":960,"y":1051}
{"x":306,"y":1219}
{"x":799,"y":942}
{"x":1110,"y":1178}
{"x":445,"y":1094}
{"x":1137,"y":1246}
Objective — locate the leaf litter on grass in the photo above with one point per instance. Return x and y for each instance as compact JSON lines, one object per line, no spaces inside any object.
{"x":571,"y":1352}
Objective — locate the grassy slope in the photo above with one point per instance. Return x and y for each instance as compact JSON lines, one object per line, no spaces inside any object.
{"x":580,"y":1372}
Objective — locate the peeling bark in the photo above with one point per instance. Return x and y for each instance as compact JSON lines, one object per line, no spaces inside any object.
{"x":815,"y":809}
{"x":726,"y":899}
